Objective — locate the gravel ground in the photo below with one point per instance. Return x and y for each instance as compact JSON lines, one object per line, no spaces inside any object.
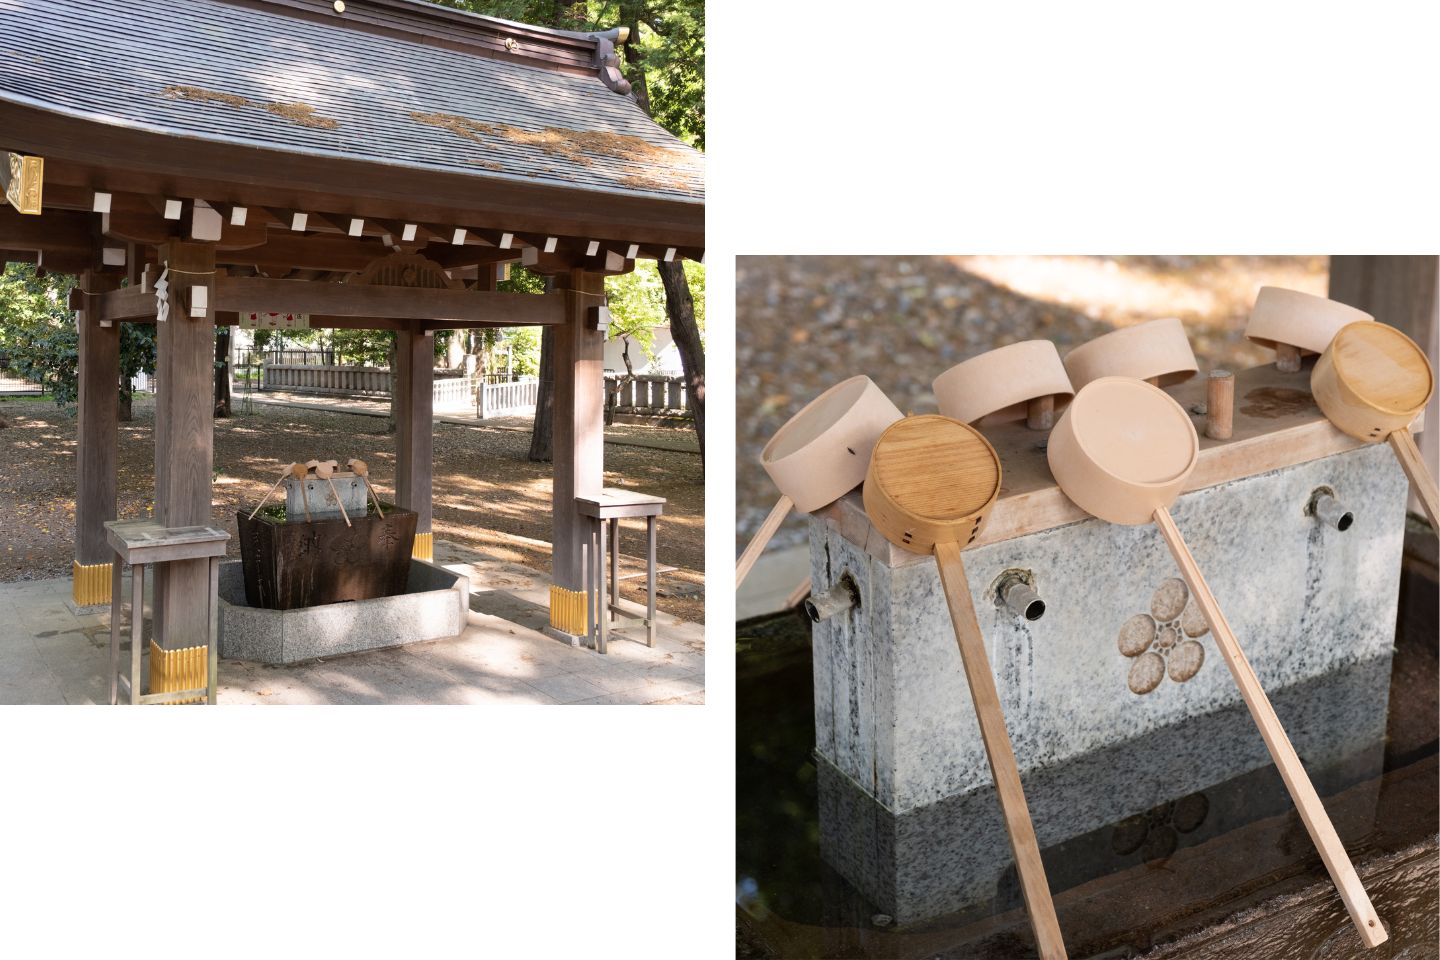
{"x":487,"y":495}
{"x":803,"y":323}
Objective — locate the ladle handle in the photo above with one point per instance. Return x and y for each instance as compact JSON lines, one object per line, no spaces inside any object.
{"x":1420,"y":480}
{"x":1002,"y":758}
{"x":1292,"y":771}
{"x":761,"y":538}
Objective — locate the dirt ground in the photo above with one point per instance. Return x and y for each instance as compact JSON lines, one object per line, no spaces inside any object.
{"x":804,"y":323}
{"x":487,"y":495}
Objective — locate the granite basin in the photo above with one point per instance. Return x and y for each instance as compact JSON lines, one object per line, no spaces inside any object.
{"x":433,"y":606}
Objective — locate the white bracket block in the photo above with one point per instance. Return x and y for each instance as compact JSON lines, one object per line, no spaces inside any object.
{"x":298,"y":221}
{"x":409,"y":233}
{"x":102,"y":203}
{"x":172,"y":209}
{"x":458,"y":238}
{"x":550,"y":244}
{"x":199,"y":301}
{"x":113,"y":256}
{"x":238,"y":216}
{"x":669,"y":254}
{"x":592,"y":248}
{"x":357,"y":226}
{"x":205,"y":222}
{"x":632,"y":251}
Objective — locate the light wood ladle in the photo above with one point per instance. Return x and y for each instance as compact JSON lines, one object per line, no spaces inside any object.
{"x":1123,"y":451}
{"x":362,"y":470}
{"x":1157,"y":351}
{"x":1019,"y":381}
{"x":325,"y":470}
{"x":930,"y":485}
{"x":1296,"y":324}
{"x":1372,"y":381}
{"x":819,"y":455}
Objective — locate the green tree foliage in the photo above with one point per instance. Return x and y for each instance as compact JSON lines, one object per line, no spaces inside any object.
{"x":39,"y":340}
{"x":38,"y":336}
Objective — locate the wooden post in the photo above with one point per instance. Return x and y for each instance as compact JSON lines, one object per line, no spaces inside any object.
{"x":578,"y":451}
{"x":1287,"y":358}
{"x":1040,"y":413}
{"x":1220,"y":405}
{"x":96,"y":450}
{"x":184,"y":438}
{"x":414,"y":432}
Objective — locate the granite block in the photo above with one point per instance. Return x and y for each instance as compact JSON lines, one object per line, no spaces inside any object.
{"x":1128,"y":803}
{"x":893,"y":711}
{"x":435,"y":605}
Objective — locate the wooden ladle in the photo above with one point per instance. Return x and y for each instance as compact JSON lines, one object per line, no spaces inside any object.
{"x":325,"y":470}
{"x":931,"y":482}
{"x":1156,"y":351}
{"x":1021,"y":381}
{"x":362,"y":470}
{"x":820,"y":454}
{"x":1372,"y":381}
{"x":1294,"y":324}
{"x":287,"y":472}
{"x":1123,"y":451}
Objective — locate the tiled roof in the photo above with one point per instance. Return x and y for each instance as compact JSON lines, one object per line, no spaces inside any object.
{"x":258,"y":77}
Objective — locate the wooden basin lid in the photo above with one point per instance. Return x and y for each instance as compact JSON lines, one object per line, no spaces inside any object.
{"x":996,"y":386}
{"x":936,"y":469}
{"x":1383,"y":368}
{"x":1299,"y":319}
{"x":1133,"y":431}
{"x":822,"y":452}
{"x":1156,"y":349}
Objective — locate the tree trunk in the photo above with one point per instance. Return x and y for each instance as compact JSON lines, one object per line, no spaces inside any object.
{"x":680,"y":308}
{"x":222,"y":372}
{"x":127,"y":401}
{"x":543,"y":432}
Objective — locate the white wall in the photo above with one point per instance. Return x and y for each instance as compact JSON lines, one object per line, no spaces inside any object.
{"x":667,"y":357}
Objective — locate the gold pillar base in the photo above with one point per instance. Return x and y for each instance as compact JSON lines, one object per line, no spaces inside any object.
{"x":182,"y":669}
{"x":90,"y":583}
{"x":424,"y":548}
{"x":567,"y":610}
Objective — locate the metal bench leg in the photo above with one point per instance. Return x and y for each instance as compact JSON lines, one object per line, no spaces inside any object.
{"x":614,"y":567}
{"x":650,"y":581}
{"x":137,"y":622}
{"x":601,"y":608}
{"x":117,"y":603}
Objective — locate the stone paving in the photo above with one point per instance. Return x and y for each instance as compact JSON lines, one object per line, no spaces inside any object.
{"x":52,"y":651}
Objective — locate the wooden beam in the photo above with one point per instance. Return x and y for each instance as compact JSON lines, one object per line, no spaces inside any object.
{"x":184,"y":439}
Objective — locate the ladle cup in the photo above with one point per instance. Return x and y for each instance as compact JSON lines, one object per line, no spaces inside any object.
{"x":820,"y":454}
{"x":930,"y":485}
{"x":1123,"y":451}
{"x":1372,"y":381}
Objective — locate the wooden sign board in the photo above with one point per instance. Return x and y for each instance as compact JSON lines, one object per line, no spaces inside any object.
{"x":24,"y":177}
{"x":274,"y":321}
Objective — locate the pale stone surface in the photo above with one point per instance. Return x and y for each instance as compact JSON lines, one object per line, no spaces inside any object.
{"x":48,"y":654}
{"x":954,"y":855}
{"x":892,"y":708}
{"x":433,"y":606}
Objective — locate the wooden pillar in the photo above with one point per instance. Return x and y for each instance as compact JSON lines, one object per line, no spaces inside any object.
{"x":579,"y":441}
{"x":184,"y":438}
{"x":96,"y":451}
{"x":415,"y":432}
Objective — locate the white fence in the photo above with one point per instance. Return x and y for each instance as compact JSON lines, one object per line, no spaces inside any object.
{"x":648,"y":394}
{"x":315,"y":378}
{"x":508,"y":399}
